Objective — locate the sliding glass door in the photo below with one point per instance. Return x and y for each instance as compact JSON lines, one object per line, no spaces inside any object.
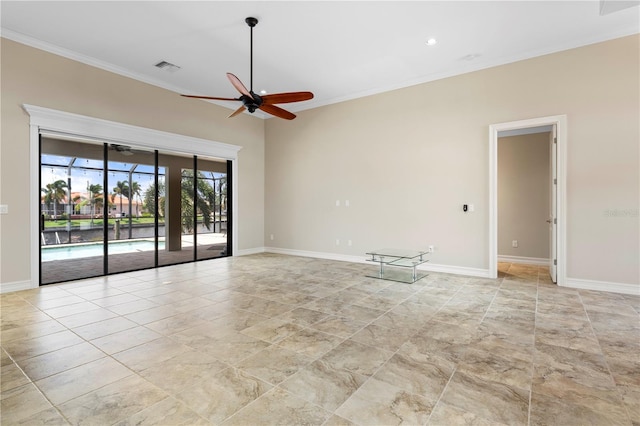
{"x":131,"y":233}
{"x":108,"y":208}
{"x":211,"y":213}
{"x":71,"y":211}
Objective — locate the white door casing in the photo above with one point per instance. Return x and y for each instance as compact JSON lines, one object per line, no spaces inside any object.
{"x":553,"y":213}
{"x":559,"y":122}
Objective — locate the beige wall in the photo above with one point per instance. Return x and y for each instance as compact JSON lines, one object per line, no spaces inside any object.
{"x":31,"y":76}
{"x":524,"y":195}
{"x":409,"y":159}
{"x":406,"y":160}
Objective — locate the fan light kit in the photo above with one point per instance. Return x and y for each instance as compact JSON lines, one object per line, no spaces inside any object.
{"x":251,"y":100}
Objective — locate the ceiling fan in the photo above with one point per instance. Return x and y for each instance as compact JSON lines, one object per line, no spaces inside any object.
{"x":251,"y":100}
{"x":126,"y":150}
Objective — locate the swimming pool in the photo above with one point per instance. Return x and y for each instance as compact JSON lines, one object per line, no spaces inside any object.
{"x":75,"y":251}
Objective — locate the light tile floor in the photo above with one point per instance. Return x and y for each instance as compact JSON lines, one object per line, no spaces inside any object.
{"x":271,"y":339}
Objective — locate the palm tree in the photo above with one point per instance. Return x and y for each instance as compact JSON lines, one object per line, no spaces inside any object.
{"x":121,"y":189}
{"x":135,"y":191}
{"x":150,"y":199}
{"x":54,"y":192}
{"x":79,"y":202}
{"x":95,"y":198}
{"x":205,"y":199}
{"x":222,"y":198}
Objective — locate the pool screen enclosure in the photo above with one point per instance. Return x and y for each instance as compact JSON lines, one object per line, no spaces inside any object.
{"x":107,"y":208}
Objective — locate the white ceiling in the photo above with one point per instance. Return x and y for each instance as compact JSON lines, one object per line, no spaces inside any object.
{"x":339,"y":50}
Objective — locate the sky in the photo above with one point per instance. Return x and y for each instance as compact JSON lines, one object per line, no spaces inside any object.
{"x":84,"y":172}
{"x":89,"y":172}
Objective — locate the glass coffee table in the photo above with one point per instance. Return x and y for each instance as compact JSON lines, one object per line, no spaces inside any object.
{"x":398,"y":258}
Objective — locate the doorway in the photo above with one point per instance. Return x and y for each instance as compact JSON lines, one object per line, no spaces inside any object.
{"x":557,"y":229}
{"x":524,"y":196}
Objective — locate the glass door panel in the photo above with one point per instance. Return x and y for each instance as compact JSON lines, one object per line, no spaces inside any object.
{"x":187,"y":221}
{"x":71,"y":199}
{"x":131,"y":226}
{"x":176,"y":204}
{"x":212,"y":210}
{"x":150,"y":197}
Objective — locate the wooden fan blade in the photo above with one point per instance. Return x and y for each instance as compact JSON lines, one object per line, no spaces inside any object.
{"x":210,"y":97}
{"x":283,"y":98}
{"x":236,"y":112}
{"x":238,"y":85}
{"x":277,"y":111}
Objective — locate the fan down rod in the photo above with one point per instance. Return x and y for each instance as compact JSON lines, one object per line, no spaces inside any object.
{"x":252,"y":22}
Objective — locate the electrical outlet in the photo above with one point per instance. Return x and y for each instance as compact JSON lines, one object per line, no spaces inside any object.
{"x":337,"y":242}
{"x":271,"y":237}
{"x":349,"y":243}
{"x":431,"y":249}
{"x":4,"y":209}
{"x":514,"y":243}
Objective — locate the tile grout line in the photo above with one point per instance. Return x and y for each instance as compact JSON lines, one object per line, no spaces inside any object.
{"x":396,"y":352}
{"x":32,"y":382}
{"x":106,"y":355}
{"x":55,"y":406}
{"x":495,"y":295}
{"x":435,"y":406}
{"x":533,"y":355}
{"x":347,"y":338}
{"x":606,"y":362}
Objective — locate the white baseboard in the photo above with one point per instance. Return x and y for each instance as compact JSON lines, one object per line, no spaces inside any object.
{"x":527,"y":260}
{"x":455,"y":270}
{"x":317,"y":255}
{"x":623,"y":288}
{"x":247,"y":252}
{"x":429,"y":267}
{"x":15,"y":286}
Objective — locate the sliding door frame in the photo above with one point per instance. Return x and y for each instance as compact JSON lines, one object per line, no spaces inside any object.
{"x":52,"y":122}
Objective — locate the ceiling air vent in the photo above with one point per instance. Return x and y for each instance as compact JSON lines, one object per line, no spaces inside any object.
{"x":167,"y":66}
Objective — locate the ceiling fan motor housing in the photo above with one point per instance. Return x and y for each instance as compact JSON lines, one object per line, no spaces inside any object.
{"x":252,"y":104}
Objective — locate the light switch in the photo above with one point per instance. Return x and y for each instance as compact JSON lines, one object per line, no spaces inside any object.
{"x":4,"y":209}
{"x":337,"y":203}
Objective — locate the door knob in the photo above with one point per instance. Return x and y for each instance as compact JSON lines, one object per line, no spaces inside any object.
{"x":548,"y":220}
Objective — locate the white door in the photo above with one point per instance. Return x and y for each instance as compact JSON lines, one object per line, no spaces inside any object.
{"x":553,"y":213}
